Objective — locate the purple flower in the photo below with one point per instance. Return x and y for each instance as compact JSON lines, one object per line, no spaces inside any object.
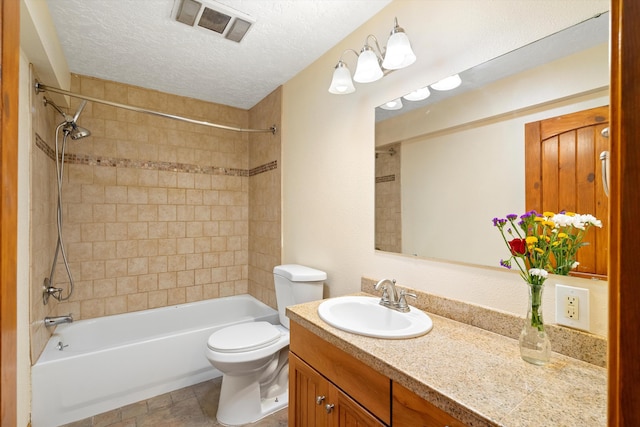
{"x":512,"y":217}
{"x":506,"y":264}
{"x":499,"y":222}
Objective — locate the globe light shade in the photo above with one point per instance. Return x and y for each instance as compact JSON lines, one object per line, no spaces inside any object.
{"x":418,"y":94}
{"x":341,"y":83}
{"x":399,"y":53}
{"x":396,"y":104}
{"x":448,"y":83}
{"x":368,"y":69}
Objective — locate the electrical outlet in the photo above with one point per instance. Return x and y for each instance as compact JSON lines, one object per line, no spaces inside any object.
{"x":572,"y":307}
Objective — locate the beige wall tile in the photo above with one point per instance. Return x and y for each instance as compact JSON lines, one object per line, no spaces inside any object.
{"x":141,"y":236}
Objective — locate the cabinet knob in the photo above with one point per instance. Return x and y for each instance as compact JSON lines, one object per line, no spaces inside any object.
{"x":329,"y":407}
{"x":319,"y":400}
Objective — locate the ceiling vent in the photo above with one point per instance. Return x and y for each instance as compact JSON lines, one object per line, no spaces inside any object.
{"x":212,"y":16}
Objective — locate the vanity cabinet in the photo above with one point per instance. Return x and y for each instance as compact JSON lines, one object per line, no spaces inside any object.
{"x":318,"y":369}
{"x":328,"y":387}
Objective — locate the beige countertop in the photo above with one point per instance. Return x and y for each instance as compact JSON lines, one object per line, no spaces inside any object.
{"x":476,"y":375}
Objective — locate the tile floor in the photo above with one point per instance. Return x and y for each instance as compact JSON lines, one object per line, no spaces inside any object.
{"x":193,"y":406}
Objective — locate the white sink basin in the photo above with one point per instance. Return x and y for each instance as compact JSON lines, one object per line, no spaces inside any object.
{"x":365,"y":316}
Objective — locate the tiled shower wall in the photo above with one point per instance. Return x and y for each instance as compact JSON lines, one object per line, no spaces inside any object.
{"x":264,"y":198}
{"x":388,"y":221}
{"x":156,"y":211}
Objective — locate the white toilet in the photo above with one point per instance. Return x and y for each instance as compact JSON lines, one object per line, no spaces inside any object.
{"x":253,"y":357}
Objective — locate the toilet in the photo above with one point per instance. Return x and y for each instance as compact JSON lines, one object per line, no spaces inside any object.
{"x":254,"y":357}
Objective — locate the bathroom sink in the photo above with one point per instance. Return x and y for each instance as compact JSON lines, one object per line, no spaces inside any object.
{"x":365,"y":316}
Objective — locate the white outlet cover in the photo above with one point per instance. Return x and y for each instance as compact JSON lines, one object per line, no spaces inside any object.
{"x":562,"y":292}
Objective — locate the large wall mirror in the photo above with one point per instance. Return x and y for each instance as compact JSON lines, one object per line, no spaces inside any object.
{"x":448,"y":164}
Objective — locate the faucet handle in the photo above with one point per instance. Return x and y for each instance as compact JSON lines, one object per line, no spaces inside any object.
{"x":402,"y":300}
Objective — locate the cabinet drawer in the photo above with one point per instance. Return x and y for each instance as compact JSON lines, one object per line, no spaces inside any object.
{"x":364,"y":384}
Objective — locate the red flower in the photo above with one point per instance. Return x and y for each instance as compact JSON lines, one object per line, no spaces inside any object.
{"x":518,"y":247}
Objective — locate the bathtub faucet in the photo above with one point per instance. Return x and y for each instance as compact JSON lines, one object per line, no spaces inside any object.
{"x":57,"y":320}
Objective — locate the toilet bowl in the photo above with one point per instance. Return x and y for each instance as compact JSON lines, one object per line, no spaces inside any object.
{"x":254,"y":357}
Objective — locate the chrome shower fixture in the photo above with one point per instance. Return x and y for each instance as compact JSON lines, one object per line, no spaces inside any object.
{"x":71,"y":127}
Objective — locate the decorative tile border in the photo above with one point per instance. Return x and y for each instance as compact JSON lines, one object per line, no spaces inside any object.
{"x":153,"y":165}
{"x":264,"y":168}
{"x":387,"y":178}
{"x":48,"y":151}
{"x":580,"y":345}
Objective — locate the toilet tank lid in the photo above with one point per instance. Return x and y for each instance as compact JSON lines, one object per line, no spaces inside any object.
{"x":299,"y":273}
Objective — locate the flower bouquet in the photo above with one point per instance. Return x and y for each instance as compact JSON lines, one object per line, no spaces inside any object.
{"x":539,"y":245}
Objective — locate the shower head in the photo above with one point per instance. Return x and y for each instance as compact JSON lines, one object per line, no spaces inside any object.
{"x":78,"y":132}
{"x":71,"y":127}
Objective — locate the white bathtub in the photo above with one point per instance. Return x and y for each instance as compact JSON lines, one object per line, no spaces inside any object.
{"x":116,"y":360}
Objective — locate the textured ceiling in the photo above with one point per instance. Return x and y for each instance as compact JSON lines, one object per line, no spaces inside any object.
{"x":138,"y":42}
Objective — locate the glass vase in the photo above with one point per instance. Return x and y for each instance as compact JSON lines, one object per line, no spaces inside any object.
{"x":534,"y":343}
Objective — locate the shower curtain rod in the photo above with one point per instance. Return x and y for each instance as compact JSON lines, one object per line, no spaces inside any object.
{"x":44,"y":88}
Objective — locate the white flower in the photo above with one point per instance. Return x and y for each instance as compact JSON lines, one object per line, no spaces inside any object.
{"x":538,"y":272}
{"x":575,"y":264}
{"x":590,"y":219}
{"x":562,"y":220}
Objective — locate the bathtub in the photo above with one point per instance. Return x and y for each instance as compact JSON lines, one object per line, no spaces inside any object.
{"x":113,"y":361}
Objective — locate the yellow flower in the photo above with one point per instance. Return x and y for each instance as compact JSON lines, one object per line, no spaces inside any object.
{"x":549,"y":223}
{"x":531,"y":240}
{"x":540,"y":251}
{"x":538,"y":219}
{"x":548,"y":214}
{"x":562,"y":235}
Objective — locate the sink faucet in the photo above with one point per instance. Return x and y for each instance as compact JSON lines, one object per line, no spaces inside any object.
{"x":389,"y":292}
{"x":390,"y":296}
{"x":57,"y":320}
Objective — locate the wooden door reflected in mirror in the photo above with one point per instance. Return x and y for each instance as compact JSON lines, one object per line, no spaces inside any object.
{"x":563,"y":173}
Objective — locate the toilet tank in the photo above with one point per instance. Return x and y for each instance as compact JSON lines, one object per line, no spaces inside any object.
{"x":296,"y":284}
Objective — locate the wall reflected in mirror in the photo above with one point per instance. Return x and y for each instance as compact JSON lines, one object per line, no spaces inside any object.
{"x":446,"y":165}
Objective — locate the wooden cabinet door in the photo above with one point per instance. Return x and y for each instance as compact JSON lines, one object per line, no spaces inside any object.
{"x":315,"y":402}
{"x":409,"y":409}
{"x":563,"y":172}
{"x":308,"y":395}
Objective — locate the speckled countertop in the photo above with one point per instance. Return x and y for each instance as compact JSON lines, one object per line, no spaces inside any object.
{"x":475,"y":375}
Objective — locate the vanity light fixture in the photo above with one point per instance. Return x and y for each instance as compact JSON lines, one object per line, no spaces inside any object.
{"x":341,"y":83}
{"x":447,"y":83}
{"x":396,"y":104}
{"x":373,"y":62}
{"x":418,"y":94}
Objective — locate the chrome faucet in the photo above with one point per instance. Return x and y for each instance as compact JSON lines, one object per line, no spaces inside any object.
{"x":390,"y":296}
{"x":57,"y":320}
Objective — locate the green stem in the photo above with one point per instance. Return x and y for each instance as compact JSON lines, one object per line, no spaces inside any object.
{"x":536,"y":305}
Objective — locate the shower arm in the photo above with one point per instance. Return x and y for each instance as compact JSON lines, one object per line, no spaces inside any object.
{"x":44,"y":88}
{"x":66,"y":117}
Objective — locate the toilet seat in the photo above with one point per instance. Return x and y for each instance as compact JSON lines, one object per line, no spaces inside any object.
{"x":243,"y":337}
{"x":246,"y":342}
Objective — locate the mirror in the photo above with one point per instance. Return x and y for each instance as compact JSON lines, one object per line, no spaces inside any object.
{"x":447,"y":165}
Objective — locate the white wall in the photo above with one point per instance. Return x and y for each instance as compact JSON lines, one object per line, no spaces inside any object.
{"x":327,"y":143}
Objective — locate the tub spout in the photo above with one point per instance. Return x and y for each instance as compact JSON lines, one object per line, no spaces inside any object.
{"x":57,"y":320}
